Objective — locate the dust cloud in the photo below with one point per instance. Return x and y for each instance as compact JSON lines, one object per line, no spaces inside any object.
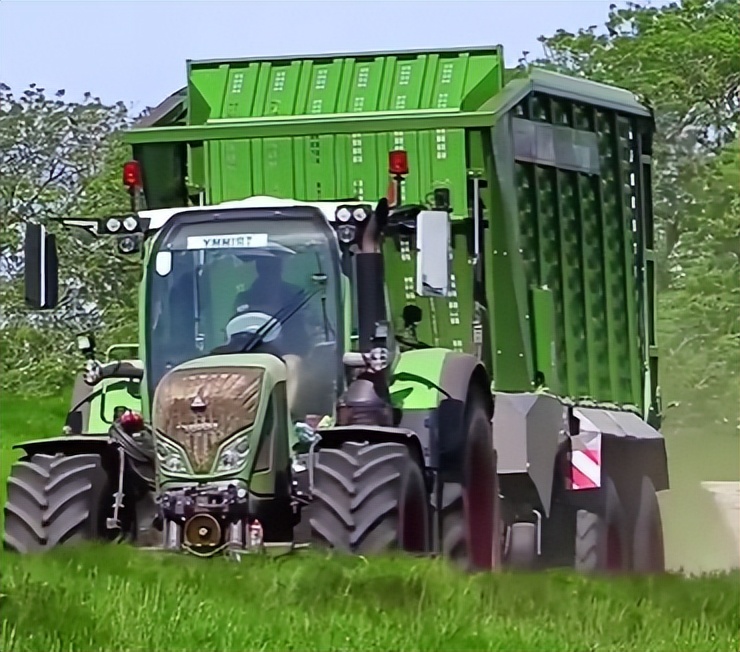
{"x":699,"y":537}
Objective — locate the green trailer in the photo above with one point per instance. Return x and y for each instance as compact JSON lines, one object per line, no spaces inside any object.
{"x":472,"y":367}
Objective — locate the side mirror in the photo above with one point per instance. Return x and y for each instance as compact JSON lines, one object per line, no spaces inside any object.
{"x":41,"y":268}
{"x":433,"y":254}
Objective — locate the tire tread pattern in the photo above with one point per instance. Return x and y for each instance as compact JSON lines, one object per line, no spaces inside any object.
{"x":452,"y":519}
{"x":357,"y":489}
{"x":52,"y":500}
{"x":588,"y":534}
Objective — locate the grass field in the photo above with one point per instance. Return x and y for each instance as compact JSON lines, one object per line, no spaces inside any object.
{"x":116,"y":598}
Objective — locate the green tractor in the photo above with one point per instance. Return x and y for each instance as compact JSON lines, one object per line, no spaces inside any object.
{"x":465,"y":365}
{"x":259,"y":424}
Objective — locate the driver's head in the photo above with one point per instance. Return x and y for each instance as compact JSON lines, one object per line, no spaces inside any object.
{"x":269,"y":267}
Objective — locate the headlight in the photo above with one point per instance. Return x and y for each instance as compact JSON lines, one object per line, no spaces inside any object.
{"x":170,"y":457}
{"x":128,"y":244}
{"x":343,"y":214}
{"x":233,"y":455}
{"x":359,"y":214}
{"x":113,"y":225}
{"x":346,"y":233}
{"x":130,"y":223}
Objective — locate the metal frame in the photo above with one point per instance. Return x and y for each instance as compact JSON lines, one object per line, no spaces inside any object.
{"x":493,"y":49}
{"x":313,"y":125}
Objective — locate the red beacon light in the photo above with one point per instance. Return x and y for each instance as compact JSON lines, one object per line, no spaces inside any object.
{"x":132,"y":175}
{"x":131,"y":422}
{"x":398,"y":162}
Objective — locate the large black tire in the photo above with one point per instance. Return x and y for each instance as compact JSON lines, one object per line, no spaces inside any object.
{"x":648,"y":550}
{"x":55,"y":500}
{"x":369,"y":499}
{"x":470,"y":513}
{"x":452,"y":525}
{"x":602,"y":538}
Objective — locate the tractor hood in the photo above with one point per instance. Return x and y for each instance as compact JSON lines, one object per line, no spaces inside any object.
{"x":205,"y":407}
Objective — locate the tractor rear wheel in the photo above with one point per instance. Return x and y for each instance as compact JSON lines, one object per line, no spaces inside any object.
{"x":369,"y":498}
{"x":602,"y":543}
{"x":55,"y":500}
{"x":470,"y":513}
{"x":648,"y":551}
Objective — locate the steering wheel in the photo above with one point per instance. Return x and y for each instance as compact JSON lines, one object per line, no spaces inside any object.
{"x":251,"y":322}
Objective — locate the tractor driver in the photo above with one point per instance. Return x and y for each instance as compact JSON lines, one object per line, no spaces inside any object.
{"x":269,"y":289}
{"x":270,"y":293}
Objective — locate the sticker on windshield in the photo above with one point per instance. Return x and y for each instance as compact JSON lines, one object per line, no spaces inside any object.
{"x":230,"y":241}
{"x":163,"y":263}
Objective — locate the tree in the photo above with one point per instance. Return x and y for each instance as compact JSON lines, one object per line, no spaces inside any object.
{"x":60,"y":159}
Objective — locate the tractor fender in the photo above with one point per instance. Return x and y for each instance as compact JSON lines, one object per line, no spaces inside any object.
{"x":335,"y":436}
{"x":435,"y":411}
{"x":458,"y":371}
{"x":71,"y":445}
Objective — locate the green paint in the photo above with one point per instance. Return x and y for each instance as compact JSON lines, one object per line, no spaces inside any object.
{"x":544,"y":320}
{"x":144,"y":330}
{"x":113,"y":392}
{"x":556,"y":281}
{"x":412,"y":395}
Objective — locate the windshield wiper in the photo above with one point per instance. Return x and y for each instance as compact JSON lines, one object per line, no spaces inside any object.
{"x":255,"y":338}
{"x":282,"y":316}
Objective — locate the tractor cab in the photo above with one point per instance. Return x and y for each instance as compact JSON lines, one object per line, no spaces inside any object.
{"x":260,"y":275}
{"x":240,"y":280}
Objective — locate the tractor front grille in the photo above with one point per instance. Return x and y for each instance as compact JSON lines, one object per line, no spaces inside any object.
{"x":200,"y":409}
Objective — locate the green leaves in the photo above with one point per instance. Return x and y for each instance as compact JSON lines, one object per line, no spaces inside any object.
{"x":684,"y":58}
{"x":60,"y":159}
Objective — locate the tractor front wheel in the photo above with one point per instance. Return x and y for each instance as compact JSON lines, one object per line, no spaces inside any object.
{"x":369,"y":498}
{"x":55,"y":500}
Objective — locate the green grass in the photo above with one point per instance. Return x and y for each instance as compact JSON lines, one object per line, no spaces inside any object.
{"x":117,"y":598}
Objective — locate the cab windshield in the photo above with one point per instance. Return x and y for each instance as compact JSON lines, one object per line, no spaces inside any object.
{"x":259,"y":285}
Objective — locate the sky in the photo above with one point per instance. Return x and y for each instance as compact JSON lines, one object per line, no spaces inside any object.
{"x":136,"y":50}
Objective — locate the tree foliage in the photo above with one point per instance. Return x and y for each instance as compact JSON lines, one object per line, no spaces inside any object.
{"x":60,"y":159}
{"x":684,"y":60}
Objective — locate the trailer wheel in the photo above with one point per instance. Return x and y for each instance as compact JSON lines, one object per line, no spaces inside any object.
{"x":602,"y":544}
{"x":471,"y":512}
{"x":55,"y":500}
{"x":648,"y":552}
{"x":369,"y":498}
